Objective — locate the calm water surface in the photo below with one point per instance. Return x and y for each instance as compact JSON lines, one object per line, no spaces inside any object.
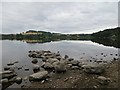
{"x":18,"y":51}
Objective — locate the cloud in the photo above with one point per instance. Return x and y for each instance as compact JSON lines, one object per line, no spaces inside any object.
{"x":63,"y":17}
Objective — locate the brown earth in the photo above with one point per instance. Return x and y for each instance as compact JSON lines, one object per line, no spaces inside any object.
{"x":79,"y":79}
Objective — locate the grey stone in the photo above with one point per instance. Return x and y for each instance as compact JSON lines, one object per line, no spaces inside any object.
{"x":52,"y":60}
{"x":36,"y":68}
{"x":47,"y":65}
{"x":66,"y":56}
{"x":4,"y":81}
{"x":70,"y":59}
{"x":26,"y":69}
{"x":93,"y":69}
{"x":103,"y":80}
{"x":60,"y":66}
{"x":74,"y":67}
{"x":18,"y":80}
{"x":38,"y":76}
{"x":75,"y":62}
{"x":10,"y":64}
{"x":8,"y":74}
{"x":6,"y":68}
{"x":34,"y":61}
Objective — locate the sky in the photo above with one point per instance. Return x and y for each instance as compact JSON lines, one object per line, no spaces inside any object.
{"x":59,"y":17}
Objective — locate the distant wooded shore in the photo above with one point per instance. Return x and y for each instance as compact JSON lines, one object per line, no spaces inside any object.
{"x":106,"y":37}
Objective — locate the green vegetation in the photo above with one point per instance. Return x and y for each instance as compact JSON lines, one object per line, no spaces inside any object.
{"x":40,"y":35}
{"x":109,"y":37}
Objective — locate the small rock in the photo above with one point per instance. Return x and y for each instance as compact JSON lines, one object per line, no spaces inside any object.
{"x":71,"y":77}
{"x":16,"y":62}
{"x":44,"y":58}
{"x":103,"y":80}
{"x":10,"y":64}
{"x":66,"y":79}
{"x":111,"y":54}
{"x":66,"y":56}
{"x":26,"y":69}
{"x":116,"y":54}
{"x":12,"y":80}
{"x":36,"y":68}
{"x":18,"y":80}
{"x":69,"y":65}
{"x":79,"y":64}
{"x":19,"y":68}
{"x":70,"y":59}
{"x":59,"y":58}
{"x":75,"y":62}
{"x":6,"y":68}
{"x":52,"y":60}
{"x":4,"y":81}
{"x":43,"y":81}
{"x":8,"y":74}
{"x":25,"y":78}
{"x":94,"y":86}
{"x":34,"y":61}
{"x":47,"y":65}
{"x":74,"y":67}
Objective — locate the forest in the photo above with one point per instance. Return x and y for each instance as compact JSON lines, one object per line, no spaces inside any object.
{"x":107,"y":37}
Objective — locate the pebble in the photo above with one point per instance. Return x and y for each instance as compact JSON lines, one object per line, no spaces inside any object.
{"x":26,"y":69}
{"x":94,"y":86}
{"x":71,"y":77}
{"x":43,"y":81}
{"x":25,"y":78}
{"x":66,"y":79}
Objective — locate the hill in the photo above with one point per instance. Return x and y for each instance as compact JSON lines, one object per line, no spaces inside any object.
{"x":108,"y":37}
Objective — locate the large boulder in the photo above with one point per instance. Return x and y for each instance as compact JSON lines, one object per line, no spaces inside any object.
{"x":38,"y":76}
{"x":93,"y":69}
{"x":59,"y":66}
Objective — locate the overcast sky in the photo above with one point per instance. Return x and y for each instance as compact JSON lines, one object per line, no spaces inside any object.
{"x":66,"y":17}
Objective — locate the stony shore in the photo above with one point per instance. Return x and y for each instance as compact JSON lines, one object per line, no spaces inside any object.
{"x":65,"y":72}
{"x":79,"y":79}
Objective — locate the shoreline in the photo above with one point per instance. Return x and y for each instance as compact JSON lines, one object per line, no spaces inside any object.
{"x":80,"y":79}
{"x":65,"y":72}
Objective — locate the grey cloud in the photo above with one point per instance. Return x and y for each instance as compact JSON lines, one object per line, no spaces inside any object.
{"x":63,"y":17}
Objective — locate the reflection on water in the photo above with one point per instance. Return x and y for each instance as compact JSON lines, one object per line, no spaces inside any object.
{"x":80,"y":50}
{"x":107,"y":42}
{"x":104,"y":41}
